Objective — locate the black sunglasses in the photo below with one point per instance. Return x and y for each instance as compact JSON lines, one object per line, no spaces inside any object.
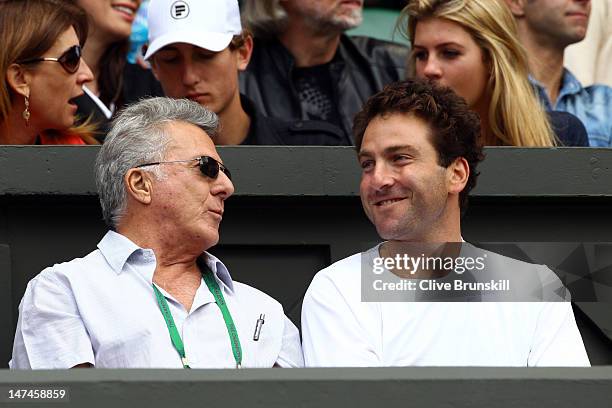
{"x":70,"y":60}
{"x":208,"y":166}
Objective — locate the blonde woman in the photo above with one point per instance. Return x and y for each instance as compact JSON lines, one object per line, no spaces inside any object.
{"x":472,"y":47}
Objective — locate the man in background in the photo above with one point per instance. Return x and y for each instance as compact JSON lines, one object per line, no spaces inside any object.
{"x":305,"y":67}
{"x":546,"y":28}
{"x":591,"y":58}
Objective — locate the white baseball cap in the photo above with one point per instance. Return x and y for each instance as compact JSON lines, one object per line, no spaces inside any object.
{"x":208,"y":24}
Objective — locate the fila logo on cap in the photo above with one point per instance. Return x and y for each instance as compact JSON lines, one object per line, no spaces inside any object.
{"x":179,"y":10}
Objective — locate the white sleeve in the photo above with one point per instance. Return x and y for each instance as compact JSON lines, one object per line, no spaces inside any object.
{"x":50,"y":333}
{"x":291,"y":350}
{"x":333,"y":333}
{"x":557,"y":341}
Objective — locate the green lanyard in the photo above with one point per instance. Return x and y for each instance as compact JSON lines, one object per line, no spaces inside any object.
{"x":177,"y":342}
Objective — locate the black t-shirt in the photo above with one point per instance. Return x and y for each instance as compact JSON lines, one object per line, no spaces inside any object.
{"x":315,"y":89}
{"x":271,"y":131}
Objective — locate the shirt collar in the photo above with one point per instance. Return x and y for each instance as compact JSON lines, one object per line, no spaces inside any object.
{"x":219,"y":269}
{"x":117,"y":249}
{"x":535,"y":82}
{"x":569,"y":83}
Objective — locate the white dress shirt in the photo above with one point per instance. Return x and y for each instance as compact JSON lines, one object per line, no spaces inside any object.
{"x":340,"y":330}
{"x":101,"y":309}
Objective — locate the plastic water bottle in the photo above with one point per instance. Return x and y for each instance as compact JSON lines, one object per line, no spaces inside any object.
{"x":140,"y":32}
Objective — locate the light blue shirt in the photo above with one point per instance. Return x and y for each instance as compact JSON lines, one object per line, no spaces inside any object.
{"x":101,"y":309}
{"x":592,"y":105}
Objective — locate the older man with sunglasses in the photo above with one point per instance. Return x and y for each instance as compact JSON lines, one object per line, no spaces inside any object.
{"x":150,"y":296}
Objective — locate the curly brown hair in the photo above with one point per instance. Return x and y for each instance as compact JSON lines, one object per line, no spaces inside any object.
{"x":455,"y":129}
{"x":239,"y":40}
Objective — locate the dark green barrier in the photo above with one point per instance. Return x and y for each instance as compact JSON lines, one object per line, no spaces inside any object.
{"x":296,"y":209}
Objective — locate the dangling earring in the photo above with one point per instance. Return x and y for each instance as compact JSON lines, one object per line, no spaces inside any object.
{"x":26,"y":111}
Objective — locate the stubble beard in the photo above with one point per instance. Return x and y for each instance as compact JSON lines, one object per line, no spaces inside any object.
{"x":337,"y":23}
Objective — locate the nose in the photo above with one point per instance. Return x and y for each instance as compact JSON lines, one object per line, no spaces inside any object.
{"x":84,"y":73}
{"x":189,"y":75}
{"x":431,"y":68}
{"x":222,"y":186}
{"x":381,"y":177}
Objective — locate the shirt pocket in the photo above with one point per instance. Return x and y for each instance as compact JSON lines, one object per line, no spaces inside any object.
{"x":263,"y":352}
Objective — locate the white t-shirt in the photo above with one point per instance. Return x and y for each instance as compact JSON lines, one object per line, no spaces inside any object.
{"x":338,"y":329}
{"x":101,"y":309}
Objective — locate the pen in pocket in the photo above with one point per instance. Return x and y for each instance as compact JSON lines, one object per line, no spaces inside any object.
{"x":258,"y":325}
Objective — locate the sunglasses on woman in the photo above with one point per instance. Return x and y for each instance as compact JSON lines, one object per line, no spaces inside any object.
{"x":70,"y":60}
{"x":208,"y":166}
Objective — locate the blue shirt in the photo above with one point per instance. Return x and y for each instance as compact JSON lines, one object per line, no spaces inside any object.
{"x":592,"y":105}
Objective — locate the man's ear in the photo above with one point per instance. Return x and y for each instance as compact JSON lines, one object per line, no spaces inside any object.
{"x":18,"y":79}
{"x":516,"y":7}
{"x":458,"y":173}
{"x":244,"y":53}
{"x":139,"y":185}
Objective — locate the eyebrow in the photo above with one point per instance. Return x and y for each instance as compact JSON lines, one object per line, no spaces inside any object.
{"x":389,"y":150}
{"x":445,"y":44}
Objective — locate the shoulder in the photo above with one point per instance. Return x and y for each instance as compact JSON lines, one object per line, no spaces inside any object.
{"x":59,"y":287}
{"x":528,"y":281}
{"x":306,"y":132}
{"x":267,"y":130}
{"x":600,"y":94}
{"x":75,"y":267}
{"x":266,"y":51}
{"x":341,"y":276}
{"x":495,"y":259}
{"x":264,"y":44}
{"x":372,"y":46}
{"x":568,"y":128}
{"x":378,"y":51}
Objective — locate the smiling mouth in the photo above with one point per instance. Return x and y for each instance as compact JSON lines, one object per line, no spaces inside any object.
{"x":577,"y":14}
{"x":124,"y":9}
{"x":390,"y":201}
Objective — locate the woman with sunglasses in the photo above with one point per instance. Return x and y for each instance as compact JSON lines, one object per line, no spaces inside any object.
{"x":42,"y":72}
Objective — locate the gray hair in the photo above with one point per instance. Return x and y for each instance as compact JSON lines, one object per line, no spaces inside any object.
{"x":138,"y":135}
{"x":264,"y":18}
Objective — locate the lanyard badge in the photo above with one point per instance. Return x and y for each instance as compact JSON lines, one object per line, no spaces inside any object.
{"x":215,"y":290}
